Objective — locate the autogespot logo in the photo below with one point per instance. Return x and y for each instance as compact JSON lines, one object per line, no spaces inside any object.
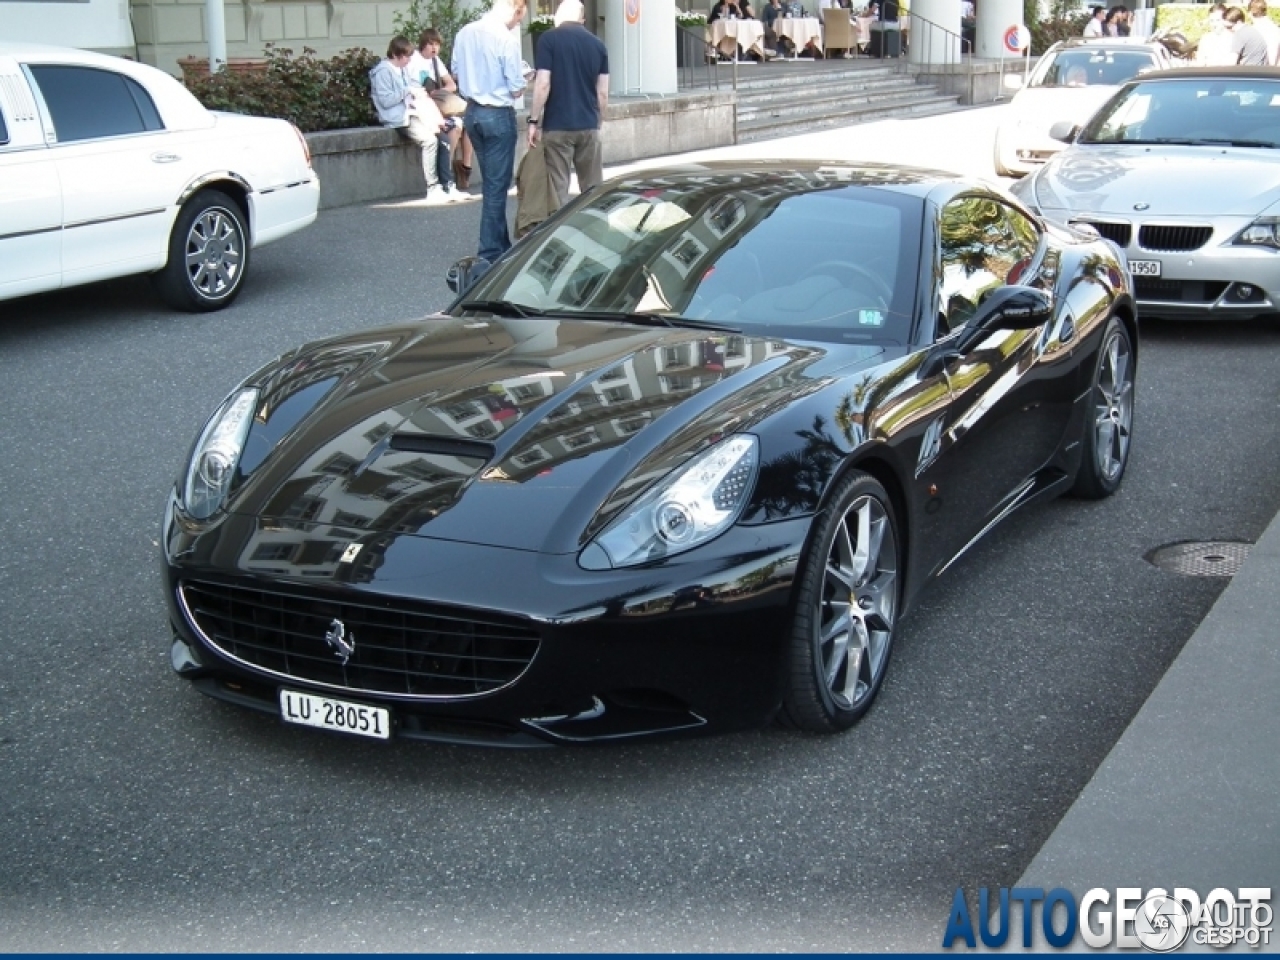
{"x":1129,"y":918}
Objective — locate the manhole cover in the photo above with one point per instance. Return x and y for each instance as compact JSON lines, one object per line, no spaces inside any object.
{"x":1201,"y":558}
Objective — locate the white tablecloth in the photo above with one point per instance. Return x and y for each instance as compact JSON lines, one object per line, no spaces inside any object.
{"x":800,"y":30}
{"x":729,"y":36}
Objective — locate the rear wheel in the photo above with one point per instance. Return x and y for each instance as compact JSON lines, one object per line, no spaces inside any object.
{"x":1110,"y":424}
{"x":847,"y":604}
{"x":208,"y":254}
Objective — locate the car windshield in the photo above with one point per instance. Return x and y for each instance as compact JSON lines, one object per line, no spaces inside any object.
{"x":1209,"y":111}
{"x":1083,"y":67}
{"x":790,"y":254}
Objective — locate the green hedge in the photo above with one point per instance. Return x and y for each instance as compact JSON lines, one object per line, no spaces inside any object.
{"x":315,"y":94}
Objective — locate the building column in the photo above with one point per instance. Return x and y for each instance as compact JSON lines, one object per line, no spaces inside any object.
{"x":640,"y":36}
{"x":935,"y":31}
{"x":994,"y":19}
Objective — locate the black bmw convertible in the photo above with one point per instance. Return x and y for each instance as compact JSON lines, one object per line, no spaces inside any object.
{"x":681,"y":460}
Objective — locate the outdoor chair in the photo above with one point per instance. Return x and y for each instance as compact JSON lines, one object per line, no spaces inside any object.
{"x":837,"y":32}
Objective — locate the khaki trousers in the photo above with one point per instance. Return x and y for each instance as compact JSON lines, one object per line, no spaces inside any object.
{"x":577,"y":150}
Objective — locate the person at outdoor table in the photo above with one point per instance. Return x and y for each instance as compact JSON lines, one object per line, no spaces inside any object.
{"x":490,"y":75}
{"x":744,"y":10}
{"x":725,"y":10}
{"x":1247,"y":45}
{"x":415,"y":118}
{"x":772,"y":11}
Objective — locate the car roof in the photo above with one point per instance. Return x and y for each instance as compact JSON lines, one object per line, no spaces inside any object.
{"x":1108,"y":43}
{"x":177,"y":106}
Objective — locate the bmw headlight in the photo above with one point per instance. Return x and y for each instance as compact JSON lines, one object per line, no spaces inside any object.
{"x":216,"y":454}
{"x":695,"y":503}
{"x":1263,"y":232}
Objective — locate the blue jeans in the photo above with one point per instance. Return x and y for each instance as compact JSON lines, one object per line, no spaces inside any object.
{"x":493,"y":138}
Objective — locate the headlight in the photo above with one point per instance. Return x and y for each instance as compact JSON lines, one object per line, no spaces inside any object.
{"x":216,"y":455}
{"x":691,"y":506}
{"x":1264,"y":232}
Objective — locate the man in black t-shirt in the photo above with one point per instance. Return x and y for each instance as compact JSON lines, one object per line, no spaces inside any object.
{"x":570,"y":96}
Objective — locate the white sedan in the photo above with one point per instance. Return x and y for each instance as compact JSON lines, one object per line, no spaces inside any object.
{"x":1070,"y":82}
{"x":110,"y":167}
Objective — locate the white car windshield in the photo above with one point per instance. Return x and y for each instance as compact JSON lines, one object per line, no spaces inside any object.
{"x":1082,"y":67}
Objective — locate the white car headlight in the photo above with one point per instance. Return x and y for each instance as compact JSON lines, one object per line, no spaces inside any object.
{"x":216,"y":455}
{"x":1263,"y":232}
{"x":692,"y":505}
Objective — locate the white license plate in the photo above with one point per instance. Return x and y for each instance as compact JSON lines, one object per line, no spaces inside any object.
{"x":1144,"y":268}
{"x":329,"y":714}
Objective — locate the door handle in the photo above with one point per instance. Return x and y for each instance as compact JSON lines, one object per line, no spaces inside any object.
{"x":165,"y":158}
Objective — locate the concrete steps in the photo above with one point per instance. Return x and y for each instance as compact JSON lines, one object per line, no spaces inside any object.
{"x":782,"y":104}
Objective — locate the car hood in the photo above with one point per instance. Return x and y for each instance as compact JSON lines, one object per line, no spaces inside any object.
{"x":1159,"y":181}
{"x":510,"y":433}
{"x":1045,"y":106}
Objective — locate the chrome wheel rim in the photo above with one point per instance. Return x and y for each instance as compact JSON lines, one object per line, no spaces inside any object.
{"x":1113,"y":414}
{"x":215,"y":253}
{"x":859,"y":603}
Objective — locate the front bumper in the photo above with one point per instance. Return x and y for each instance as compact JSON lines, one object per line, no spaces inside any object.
{"x":696,"y":643}
{"x":1216,"y":280}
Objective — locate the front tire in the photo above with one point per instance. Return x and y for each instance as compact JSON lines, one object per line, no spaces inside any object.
{"x":1109,"y":429}
{"x":208,"y":254}
{"x":846,"y":607}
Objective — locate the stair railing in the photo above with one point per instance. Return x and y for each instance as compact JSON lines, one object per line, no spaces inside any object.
{"x":931,"y":44}
{"x":698,"y":55}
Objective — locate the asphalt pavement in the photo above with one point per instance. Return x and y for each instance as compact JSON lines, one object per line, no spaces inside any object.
{"x":1044,"y":682}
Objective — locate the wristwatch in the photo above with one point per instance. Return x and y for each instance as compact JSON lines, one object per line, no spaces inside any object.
{"x":533,"y":122}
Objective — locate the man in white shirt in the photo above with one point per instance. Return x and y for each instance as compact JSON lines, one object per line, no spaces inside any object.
{"x":1094,"y":27}
{"x":490,"y":77}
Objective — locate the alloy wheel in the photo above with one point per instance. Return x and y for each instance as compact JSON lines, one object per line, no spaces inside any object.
{"x":858,"y":604}
{"x":215,"y":253}
{"x":1113,"y":419}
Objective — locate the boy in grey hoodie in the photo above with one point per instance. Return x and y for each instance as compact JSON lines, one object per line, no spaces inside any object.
{"x":394,"y":101}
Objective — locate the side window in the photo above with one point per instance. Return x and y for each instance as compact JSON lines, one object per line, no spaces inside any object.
{"x":985,"y":244}
{"x":4,"y":129}
{"x":87,"y":103}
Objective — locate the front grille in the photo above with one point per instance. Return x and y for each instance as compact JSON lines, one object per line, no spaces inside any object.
{"x":419,"y":651}
{"x":1117,"y":233}
{"x":1173,"y":238}
{"x":1178,"y":291}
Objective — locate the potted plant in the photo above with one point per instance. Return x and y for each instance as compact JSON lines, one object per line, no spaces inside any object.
{"x":539,"y":24}
{"x":689,"y":20}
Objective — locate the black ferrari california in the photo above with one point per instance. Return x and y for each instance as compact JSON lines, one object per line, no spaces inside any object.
{"x":681,"y":460}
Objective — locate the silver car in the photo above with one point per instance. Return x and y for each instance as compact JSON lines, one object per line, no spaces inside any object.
{"x":1181,"y":170}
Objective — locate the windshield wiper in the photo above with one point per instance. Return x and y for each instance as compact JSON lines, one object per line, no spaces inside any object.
{"x":645,"y":319}
{"x":503,"y":308}
{"x":1225,"y":142}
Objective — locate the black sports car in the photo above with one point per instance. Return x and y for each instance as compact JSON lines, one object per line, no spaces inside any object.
{"x":680,"y":460}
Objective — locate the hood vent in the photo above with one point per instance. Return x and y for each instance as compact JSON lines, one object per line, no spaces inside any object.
{"x":445,"y":446}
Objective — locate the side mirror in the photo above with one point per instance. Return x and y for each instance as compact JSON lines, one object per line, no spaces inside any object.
{"x":1012,"y":308}
{"x":1064,"y":130}
{"x":463,"y":275}
{"x":1012,"y":81}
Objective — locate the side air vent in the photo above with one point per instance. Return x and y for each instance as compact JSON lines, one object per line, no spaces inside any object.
{"x":445,"y":446}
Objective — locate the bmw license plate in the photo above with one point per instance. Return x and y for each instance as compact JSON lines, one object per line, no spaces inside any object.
{"x":1144,"y":268}
{"x":326,"y":713}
